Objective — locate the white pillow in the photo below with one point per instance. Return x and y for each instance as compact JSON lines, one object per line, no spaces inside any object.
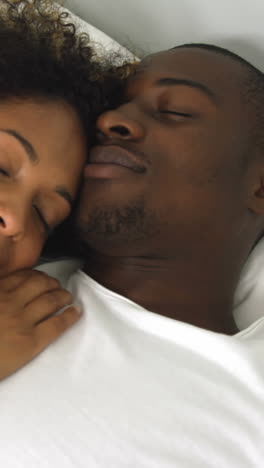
{"x":101,"y":42}
{"x":249,"y":297}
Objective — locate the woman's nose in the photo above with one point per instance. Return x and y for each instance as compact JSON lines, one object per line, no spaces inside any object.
{"x":115,"y":124}
{"x":11,"y":223}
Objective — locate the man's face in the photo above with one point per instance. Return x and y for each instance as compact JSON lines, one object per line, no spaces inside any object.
{"x":169,"y":172}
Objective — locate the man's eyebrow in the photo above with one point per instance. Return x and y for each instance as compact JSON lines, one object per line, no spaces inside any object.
{"x":170,"y":81}
{"x":28,"y":147}
{"x":63,"y":192}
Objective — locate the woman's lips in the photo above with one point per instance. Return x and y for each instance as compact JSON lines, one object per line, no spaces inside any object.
{"x":112,"y":162}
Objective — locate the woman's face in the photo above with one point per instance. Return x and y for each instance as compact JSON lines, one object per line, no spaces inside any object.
{"x":42,"y":153}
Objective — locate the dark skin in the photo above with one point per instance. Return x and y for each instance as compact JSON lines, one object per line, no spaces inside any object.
{"x":172,"y":231}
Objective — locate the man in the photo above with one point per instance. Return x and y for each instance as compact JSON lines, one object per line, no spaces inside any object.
{"x":156,"y":374}
{"x":190,"y":210}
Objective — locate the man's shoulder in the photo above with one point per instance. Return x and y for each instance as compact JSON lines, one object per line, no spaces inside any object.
{"x":61,"y":269}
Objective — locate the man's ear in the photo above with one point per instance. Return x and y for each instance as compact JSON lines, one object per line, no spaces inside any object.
{"x":256,"y":203}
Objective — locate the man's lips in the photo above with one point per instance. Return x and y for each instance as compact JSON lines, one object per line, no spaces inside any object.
{"x":110,"y":160}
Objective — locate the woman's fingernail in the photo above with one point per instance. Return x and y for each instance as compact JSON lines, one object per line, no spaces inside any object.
{"x":78,"y":309}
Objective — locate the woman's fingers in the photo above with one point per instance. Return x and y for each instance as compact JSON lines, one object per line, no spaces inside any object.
{"x":45,"y":305}
{"x":48,"y":331}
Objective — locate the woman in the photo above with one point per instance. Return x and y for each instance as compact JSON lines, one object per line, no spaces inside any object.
{"x":52,"y":89}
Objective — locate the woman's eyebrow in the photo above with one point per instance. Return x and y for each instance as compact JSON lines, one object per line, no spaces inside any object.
{"x":33,"y":157}
{"x":28,"y":147}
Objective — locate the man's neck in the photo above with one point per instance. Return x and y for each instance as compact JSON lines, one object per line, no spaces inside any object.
{"x":193,"y":295}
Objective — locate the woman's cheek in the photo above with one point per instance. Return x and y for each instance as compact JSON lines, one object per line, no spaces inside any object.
{"x":28,"y":252}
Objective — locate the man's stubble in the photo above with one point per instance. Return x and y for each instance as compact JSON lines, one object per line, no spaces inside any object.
{"x":117,"y":225}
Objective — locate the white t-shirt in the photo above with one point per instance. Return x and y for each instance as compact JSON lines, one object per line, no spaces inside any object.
{"x":127,"y":388}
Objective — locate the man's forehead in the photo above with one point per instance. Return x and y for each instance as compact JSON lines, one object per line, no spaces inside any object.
{"x":193,"y":63}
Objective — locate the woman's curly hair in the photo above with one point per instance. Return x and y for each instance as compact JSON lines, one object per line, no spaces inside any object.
{"x":42,"y":55}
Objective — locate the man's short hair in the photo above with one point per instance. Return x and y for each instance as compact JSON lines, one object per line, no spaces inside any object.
{"x":252,"y":90}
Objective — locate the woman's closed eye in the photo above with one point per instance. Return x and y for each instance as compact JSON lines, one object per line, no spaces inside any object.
{"x":48,"y":229}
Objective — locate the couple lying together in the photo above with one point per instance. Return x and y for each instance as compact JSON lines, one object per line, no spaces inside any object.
{"x":152,"y":174}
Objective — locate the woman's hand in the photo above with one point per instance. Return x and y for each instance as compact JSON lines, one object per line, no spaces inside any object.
{"x":28,"y":300}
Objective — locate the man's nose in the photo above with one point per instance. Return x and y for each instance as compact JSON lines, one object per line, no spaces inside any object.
{"x":114,"y":124}
{"x":11,"y":223}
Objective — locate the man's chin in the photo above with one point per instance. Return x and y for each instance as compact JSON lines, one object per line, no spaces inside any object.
{"x":111,"y":227}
